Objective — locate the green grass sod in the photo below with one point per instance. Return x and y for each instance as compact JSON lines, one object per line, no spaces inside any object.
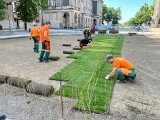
{"x":86,"y":74}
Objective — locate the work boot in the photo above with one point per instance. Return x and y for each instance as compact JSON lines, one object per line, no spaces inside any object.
{"x":121,"y":81}
{"x":41,"y":59}
{"x":127,"y":78}
{"x":3,"y":117}
{"x":133,"y":79}
{"x":47,"y":56}
{"x":46,"y":60}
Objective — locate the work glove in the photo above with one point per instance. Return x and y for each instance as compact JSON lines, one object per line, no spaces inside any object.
{"x":107,"y":77}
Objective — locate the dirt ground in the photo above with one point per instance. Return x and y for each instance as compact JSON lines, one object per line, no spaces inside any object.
{"x":18,"y":59}
{"x":143,"y":97}
{"x":138,"y":101}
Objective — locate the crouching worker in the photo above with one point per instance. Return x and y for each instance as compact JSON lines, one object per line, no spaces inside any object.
{"x":35,"y":36}
{"x":85,"y":42}
{"x":122,"y":68}
{"x":45,"y":39}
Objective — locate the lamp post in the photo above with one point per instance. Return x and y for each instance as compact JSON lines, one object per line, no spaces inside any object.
{"x":9,"y":3}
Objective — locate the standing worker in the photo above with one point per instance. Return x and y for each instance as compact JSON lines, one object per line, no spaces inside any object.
{"x":122,"y":68}
{"x":45,"y":39}
{"x":87,"y":33}
{"x":35,"y":36}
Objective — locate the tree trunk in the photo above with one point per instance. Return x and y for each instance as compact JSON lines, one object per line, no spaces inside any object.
{"x":25,"y":25}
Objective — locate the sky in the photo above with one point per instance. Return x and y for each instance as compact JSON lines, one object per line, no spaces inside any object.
{"x":128,"y":7}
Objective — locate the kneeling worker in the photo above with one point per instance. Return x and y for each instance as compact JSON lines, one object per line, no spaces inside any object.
{"x":85,"y":42}
{"x":122,"y":68}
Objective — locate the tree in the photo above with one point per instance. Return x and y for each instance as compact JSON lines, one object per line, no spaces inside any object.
{"x":44,"y":6}
{"x":144,"y":15}
{"x":29,"y":10}
{"x":116,"y":15}
{"x":2,"y":9}
{"x":104,"y":11}
{"x":111,"y":14}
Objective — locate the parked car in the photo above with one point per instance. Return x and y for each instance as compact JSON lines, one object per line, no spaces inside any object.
{"x":102,"y":30}
{"x":113,"y":30}
{"x":97,"y":28}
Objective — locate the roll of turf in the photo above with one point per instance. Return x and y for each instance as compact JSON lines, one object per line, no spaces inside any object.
{"x":66,"y":44}
{"x":132,"y":34}
{"x":18,"y":82}
{"x":52,"y":58}
{"x":76,"y":48}
{"x":3,"y":79}
{"x":40,"y":89}
{"x":68,"y":52}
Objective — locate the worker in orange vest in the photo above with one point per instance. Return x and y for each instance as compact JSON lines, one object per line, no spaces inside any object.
{"x":35,"y":36}
{"x":87,"y":33}
{"x":45,"y":39}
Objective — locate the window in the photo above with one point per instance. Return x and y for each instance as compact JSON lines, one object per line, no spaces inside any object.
{"x":13,"y":6}
{"x":52,"y":3}
{"x":94,"y":4}
{"x":65,"y":2}
{"x":58,"y":2}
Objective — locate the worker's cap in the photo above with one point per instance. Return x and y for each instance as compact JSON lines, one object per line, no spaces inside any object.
{"x":108,"y":57}
{"x":48,"y":22}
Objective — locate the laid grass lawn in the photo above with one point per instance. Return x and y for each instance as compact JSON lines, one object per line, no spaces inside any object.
{"x":86,"y":74}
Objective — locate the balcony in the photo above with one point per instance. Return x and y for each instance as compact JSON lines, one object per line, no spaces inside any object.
{"x":60,"y":7}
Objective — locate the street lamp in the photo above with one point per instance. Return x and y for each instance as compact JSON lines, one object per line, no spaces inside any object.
{"x":9,"y":3}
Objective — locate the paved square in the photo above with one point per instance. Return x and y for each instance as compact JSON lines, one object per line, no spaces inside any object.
{"x":18,"y":59}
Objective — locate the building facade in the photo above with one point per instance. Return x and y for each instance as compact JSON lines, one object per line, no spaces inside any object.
{"x":11,"y":20}
{"x":61,"y":13}
{"x":156,"y":16}
{"x":74,"y":13}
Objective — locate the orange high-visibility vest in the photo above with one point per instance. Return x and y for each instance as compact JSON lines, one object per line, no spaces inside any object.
{"x":35,"y":31}
{"x":42,"y":32}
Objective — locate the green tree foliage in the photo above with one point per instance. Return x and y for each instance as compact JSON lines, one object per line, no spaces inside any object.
{"x":144,"y":15}
{"x":111,"y":14}
{"x":29,"y":10}
{"x":43,"y":4}
{"x":104,"y":10}
{"x":116,"y":15}
{"x":2,"y":9}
